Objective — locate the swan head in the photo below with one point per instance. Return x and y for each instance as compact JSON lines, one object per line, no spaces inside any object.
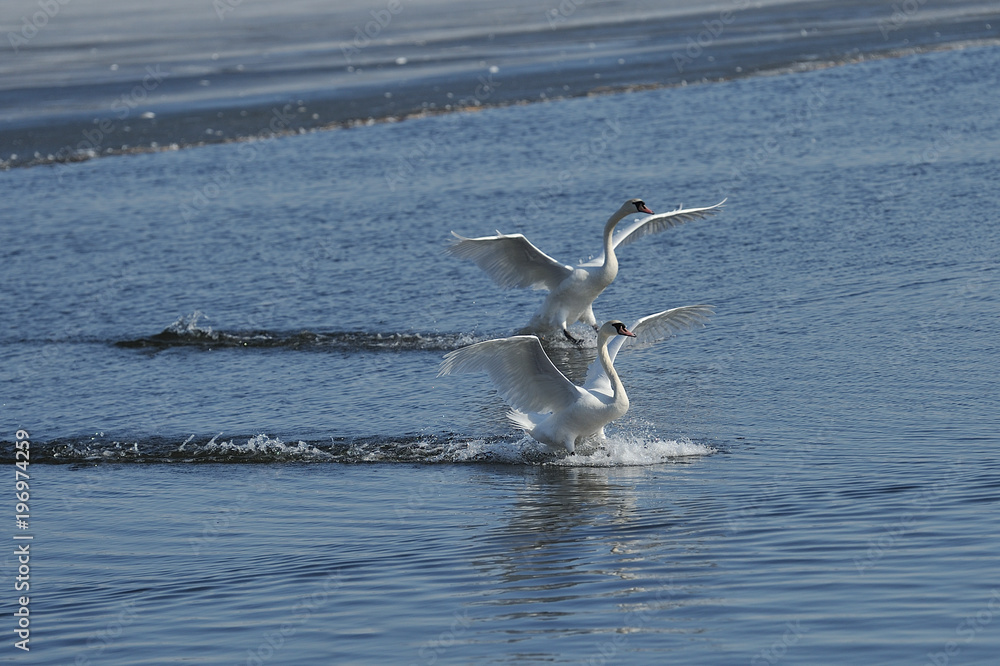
{"x":614,"y":327}
{"x":630,"y":207}
{"x":633,"y":206}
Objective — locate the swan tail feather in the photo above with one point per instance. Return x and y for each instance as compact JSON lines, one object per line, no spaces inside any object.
{"x":521,"y":420}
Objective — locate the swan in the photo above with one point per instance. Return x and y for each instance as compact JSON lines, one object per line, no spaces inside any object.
{"x":548,"y":406}
{"x":511,"y":260}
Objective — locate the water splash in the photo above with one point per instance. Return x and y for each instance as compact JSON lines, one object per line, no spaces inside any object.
{"x":629,"y":450}
{"x":618,"y":451}
{"x":259,"y":448}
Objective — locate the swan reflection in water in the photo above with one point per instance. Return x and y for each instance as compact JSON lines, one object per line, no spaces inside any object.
{"x":572,"y":536}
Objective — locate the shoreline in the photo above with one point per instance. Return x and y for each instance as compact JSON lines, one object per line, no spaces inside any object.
{"x":147,"y":131}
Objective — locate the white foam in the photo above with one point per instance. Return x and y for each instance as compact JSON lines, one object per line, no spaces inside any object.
{"x":624,"y":450}
{"x":260,"y":445}
{"x":619,"y":450}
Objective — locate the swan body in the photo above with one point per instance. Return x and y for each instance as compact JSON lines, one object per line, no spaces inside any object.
{"x":511,"y":260}
{"x":547,"y":405}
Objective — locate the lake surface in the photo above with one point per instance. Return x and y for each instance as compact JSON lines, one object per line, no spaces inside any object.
{"x":225,"y":359}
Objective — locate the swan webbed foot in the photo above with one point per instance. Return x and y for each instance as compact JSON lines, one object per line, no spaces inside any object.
{"x":576,"y":341}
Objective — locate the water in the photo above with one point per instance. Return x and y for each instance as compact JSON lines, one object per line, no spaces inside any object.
{"x":113,"y":77}
{"x":225,"y":358}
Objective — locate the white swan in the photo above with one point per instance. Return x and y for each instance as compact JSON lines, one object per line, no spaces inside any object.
{"x":512,"y":261}
{"x":547,"y":405}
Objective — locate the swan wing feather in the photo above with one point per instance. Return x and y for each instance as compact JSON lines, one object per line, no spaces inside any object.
{"x":521,"y":371}
{"x":653,"y":224}
{"x":511,"y":260}
{"x":649,"y":329}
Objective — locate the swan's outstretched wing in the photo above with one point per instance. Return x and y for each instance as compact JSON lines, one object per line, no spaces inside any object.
{"x":654,"y":224}
{"x":511,"y":261}
{"x":648,"y":330}
{"x":520,"y":369}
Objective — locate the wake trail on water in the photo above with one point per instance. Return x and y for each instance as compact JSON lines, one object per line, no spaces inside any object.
{"x":620,"y":450}
{"x":186,"y":332}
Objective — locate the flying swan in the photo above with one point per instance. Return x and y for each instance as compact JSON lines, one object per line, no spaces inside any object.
{"x":548,"y":406}
{"x":511,"y":260}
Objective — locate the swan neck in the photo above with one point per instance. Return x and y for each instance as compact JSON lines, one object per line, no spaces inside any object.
{"x":610,"y":260}
{"x":609,"y":367}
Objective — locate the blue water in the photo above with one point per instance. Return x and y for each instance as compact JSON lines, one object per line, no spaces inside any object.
{"x":225,"y":358}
